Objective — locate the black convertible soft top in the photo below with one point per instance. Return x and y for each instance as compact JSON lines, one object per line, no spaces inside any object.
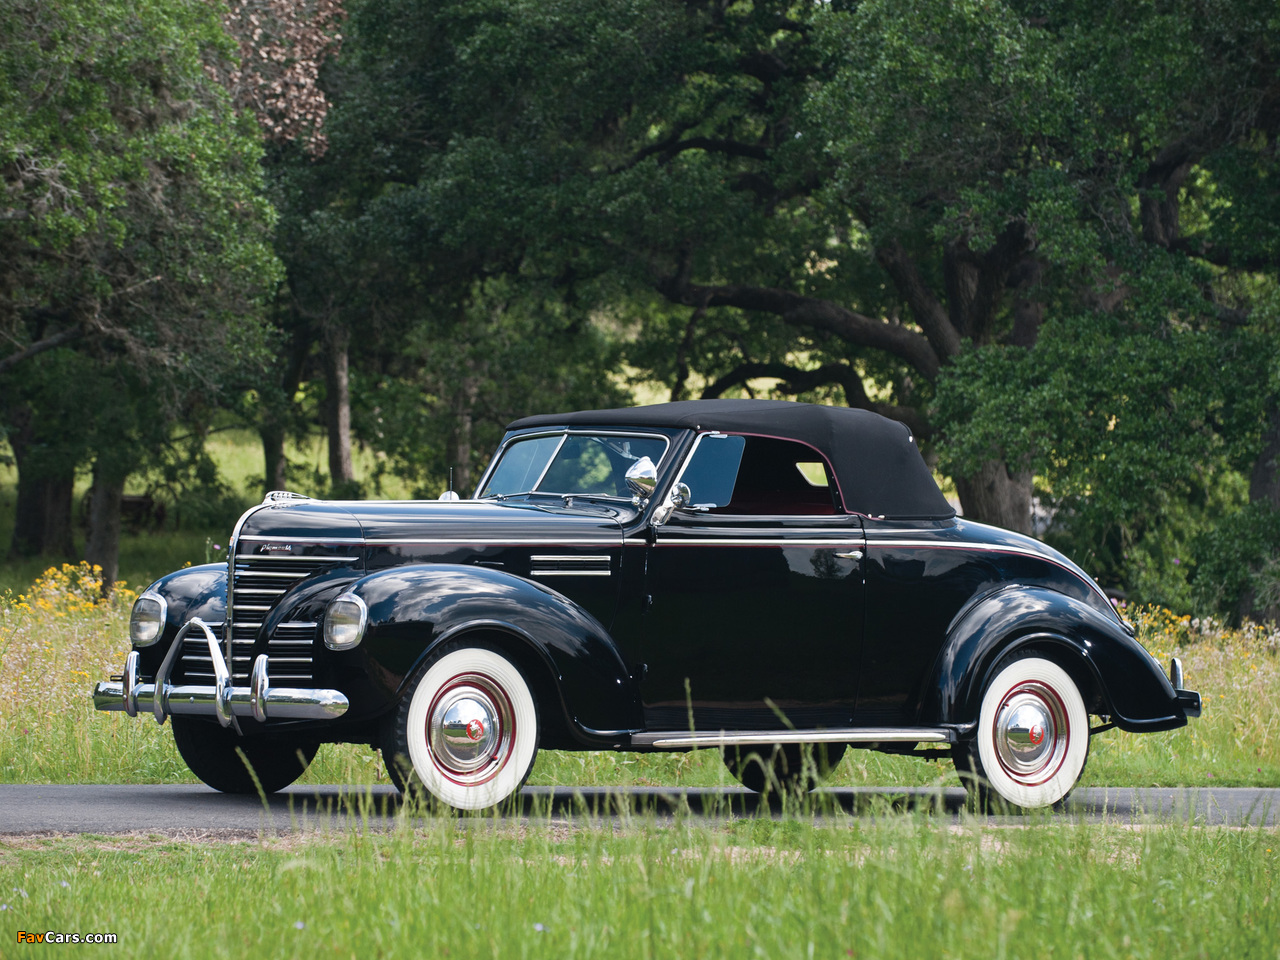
{"x":876,"y":461}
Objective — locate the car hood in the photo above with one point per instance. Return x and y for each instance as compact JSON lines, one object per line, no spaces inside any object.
{"x":458,"y":520}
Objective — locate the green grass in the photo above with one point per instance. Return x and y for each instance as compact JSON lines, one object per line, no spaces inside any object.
{"x":882,"y":887}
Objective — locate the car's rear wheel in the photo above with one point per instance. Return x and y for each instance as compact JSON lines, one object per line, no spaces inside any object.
{"x":789,"y":767}
{"x":218,"y":756}
{"x":466,"y":731}
{"x":1032,"y":738}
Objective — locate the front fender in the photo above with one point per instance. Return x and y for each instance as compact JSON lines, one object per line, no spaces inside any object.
{"x":1131,"y":686}
{"x":190,"y":592}
{"x":414,"y":609}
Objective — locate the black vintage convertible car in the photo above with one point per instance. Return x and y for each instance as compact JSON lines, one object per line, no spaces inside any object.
{"x":753,"y":576}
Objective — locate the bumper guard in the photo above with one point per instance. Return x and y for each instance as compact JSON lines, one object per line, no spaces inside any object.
{"x":259,"y":700}
{"x":1187,"y":700}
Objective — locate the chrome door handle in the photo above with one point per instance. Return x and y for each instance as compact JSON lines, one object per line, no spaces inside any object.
{"x":850,"y":555}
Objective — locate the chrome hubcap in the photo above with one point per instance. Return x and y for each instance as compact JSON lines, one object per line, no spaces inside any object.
{"x":470,"y":728}
{"x":1031,"y":732}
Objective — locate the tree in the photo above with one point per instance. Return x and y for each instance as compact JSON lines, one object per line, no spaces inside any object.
{"x":133,"y":228}
{"x":884,"y":187}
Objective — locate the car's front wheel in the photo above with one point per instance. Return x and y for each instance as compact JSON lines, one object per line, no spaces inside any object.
{"x":789,"y":767}
{"x":466,"y":731}
{"x":1032,"y":738}
{"x":222,"y":758}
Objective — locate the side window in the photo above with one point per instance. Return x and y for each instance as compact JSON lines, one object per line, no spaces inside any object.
{"x":761,"y":476}
{"x":713,"y":470}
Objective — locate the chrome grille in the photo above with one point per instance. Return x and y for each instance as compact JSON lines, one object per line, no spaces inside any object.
{"x":195,"y":665}
{"x":260,"y":582}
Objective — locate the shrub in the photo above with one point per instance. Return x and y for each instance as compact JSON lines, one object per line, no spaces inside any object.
{"x":1238,"y":565}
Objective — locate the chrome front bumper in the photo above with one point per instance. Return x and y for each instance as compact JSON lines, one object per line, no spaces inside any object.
{"x":259,"y":700}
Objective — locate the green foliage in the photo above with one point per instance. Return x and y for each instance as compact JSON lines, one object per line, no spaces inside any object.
{"x":1126,"y":417}
{"x":133,"y":231}
{"x":1238,"y":558}
{"x":514,"y":350}
{"x":133,"y":191}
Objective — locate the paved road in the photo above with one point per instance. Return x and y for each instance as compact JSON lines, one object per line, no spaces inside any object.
{"x":178,"y":810}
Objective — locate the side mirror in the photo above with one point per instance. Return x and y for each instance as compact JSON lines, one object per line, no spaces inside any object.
{"x":680,"y":496}
{"x":642,"y":477}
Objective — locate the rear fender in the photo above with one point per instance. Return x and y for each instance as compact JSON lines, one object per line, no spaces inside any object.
{"x":415,"y":609}
{"x":1116,"y":673}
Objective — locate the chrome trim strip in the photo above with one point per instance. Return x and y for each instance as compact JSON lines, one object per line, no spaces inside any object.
{"x":496,"y":541}
{"x":672,"y":740}
{"x":570,"y":573}
{"x":263,"y":538}
{"x":271,"y":557}
{"x":751,"y":542}
{"x":570,"y":558}
{"x":291,"y":574}
{"x":297,"y":625}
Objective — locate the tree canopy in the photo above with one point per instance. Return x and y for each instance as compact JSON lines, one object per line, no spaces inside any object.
{"x":133,"y":228}
{"x":1044,"y":235}
{"x":1007,"y":224}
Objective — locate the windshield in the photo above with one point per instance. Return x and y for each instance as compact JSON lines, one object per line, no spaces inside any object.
{"x":578,"y":464}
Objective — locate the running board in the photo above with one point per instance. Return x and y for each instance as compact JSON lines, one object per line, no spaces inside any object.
{"x":672,"y":740}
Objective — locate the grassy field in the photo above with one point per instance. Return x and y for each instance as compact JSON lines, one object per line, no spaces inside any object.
{"x":57,"y":638}
{"x":906,"y":886}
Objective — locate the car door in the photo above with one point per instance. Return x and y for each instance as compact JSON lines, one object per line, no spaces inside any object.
{"x":754,"y":593}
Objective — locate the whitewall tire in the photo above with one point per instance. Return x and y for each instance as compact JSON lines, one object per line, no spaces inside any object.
{"x":467,"y":730}
{"x":1033,"y":736}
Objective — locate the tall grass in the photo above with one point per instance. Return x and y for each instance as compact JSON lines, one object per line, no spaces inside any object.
{"x":58,"y":637}
{"x":900,"y":887}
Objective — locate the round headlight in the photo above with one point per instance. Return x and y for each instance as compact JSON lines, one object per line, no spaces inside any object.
{"x":344,"y":622}
{"x":146,"y":623}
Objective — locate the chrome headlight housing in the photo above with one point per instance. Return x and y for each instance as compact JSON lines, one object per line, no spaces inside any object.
{"x":345,"y":620}
{"x":146,"y":622}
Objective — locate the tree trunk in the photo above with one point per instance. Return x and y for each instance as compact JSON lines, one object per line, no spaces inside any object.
{"x":42,"y":515}
{"x":998,"y":496}
{"x":1264,"y":481}
{"x":462,"y":445}
{"x":1264,"y":486}
{"x":276,"y":404}
{"x":338,"y":389}
{"x":273,"y":457}
{"x":102,"y":548}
